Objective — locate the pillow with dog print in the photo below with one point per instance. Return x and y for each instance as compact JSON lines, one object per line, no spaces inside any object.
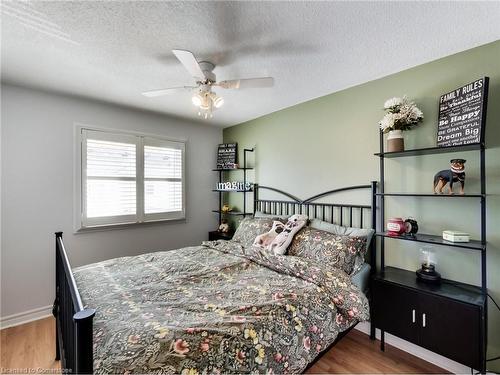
{"x":250,"y":228}
{"x":264,"y":240}
{"x":280,"y":236}
{"x":335,"y":250}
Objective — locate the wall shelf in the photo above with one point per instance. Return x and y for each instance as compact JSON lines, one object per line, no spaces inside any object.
{"x":430,"y":151}
{"x":221,"y":171}
{"x":382,"y":195}
{"x":234,"y":213}
{"x":232,"y":169}
{"x":436,"y":240}
{"x":431,"y":195}
{"x":231,"y":191}
{"x":404,"y":281}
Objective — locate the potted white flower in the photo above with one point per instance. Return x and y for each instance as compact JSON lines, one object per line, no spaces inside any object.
{"x":402,"y":114}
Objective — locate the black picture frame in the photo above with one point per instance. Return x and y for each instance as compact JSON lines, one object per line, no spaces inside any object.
{"x":462,"y":114}
{"x":226,"y":155}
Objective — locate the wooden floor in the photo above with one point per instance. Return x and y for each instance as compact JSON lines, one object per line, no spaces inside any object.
{"x":357,"y":354}
{"x":32,"y":345}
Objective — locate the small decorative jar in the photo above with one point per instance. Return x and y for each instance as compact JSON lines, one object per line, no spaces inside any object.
{"x":395,"y":226}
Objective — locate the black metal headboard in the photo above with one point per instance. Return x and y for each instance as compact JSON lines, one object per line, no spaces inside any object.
{"x":353,"y":215}
{"x":345,"y":214}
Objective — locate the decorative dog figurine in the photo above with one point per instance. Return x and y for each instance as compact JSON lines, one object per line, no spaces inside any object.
{"x":455,"y":174}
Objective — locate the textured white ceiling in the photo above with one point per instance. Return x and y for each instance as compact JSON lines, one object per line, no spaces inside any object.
{"x":113,"y":51}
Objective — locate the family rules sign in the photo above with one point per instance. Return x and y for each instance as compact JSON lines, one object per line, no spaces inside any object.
{"x":462,"y":114}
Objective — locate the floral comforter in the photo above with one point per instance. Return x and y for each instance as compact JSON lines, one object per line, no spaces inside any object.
{"x":215,"y":308}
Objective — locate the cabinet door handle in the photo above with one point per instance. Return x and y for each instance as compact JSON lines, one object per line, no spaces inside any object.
{"x":423,"y":320}
{"x":413,"y":316}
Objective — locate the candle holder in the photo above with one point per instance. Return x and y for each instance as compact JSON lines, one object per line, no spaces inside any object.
{"x":427,"y":273}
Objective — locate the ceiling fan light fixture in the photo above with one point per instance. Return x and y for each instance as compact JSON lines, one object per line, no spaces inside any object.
{"x":218,"y":101}
{"x":204,"y":99}
{"x":197,"y":99}
{"x":206,"y":102}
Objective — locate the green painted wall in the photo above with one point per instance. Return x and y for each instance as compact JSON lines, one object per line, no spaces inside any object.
{"x":329,"y":142}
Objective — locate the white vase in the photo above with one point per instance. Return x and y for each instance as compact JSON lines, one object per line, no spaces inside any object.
{"x":395,"y":141}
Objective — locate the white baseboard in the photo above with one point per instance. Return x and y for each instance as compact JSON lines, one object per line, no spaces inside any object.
{"x":417,"y":351}
{"x":25,"y":317}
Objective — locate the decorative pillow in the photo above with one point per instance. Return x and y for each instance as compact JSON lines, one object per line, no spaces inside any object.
{"x":279,"y":237}
{"x":346,"y":231}
{"x":250,"y":228}
{"x":266,"y":239}
{"x":331,"y":249}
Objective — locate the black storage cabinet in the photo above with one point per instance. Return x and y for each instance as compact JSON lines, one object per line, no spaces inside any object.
{"x":448,"y":319}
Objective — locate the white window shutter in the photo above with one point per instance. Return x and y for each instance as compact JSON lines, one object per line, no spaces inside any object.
{"x":163,"y":179}
{"x":111,"y":186}
{"x":109,"y":178}
{"x":130,"y":178}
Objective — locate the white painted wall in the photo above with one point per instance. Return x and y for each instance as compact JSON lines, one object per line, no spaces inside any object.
{"x":37,"y":146}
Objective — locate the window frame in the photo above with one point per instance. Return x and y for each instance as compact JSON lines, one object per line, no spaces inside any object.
{"x":81,"y":222}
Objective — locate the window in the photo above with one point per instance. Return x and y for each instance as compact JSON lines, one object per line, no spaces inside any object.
{"x":128,"y":178}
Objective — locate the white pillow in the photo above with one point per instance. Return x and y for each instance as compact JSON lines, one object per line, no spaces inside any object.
{"x":260,"y":214}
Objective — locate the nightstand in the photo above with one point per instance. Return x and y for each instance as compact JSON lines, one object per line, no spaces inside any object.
{"x":448,"y":319}
{"x":216,"y":235}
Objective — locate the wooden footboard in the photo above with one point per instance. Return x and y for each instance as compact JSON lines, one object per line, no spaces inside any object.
{"x":74,"y":342}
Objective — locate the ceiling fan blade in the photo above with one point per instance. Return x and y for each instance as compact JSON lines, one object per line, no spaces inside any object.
{"x":170,"y":90}
{"x":189,"y":61}
{"x":247,"y":83}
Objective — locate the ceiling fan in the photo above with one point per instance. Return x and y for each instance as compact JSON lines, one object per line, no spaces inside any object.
{"x":204,"y":98}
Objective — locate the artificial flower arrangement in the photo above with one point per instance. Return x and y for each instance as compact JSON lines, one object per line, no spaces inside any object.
{"x":402,"y":114}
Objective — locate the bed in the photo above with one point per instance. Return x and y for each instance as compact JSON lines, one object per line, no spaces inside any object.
{"x":221,"y":307}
